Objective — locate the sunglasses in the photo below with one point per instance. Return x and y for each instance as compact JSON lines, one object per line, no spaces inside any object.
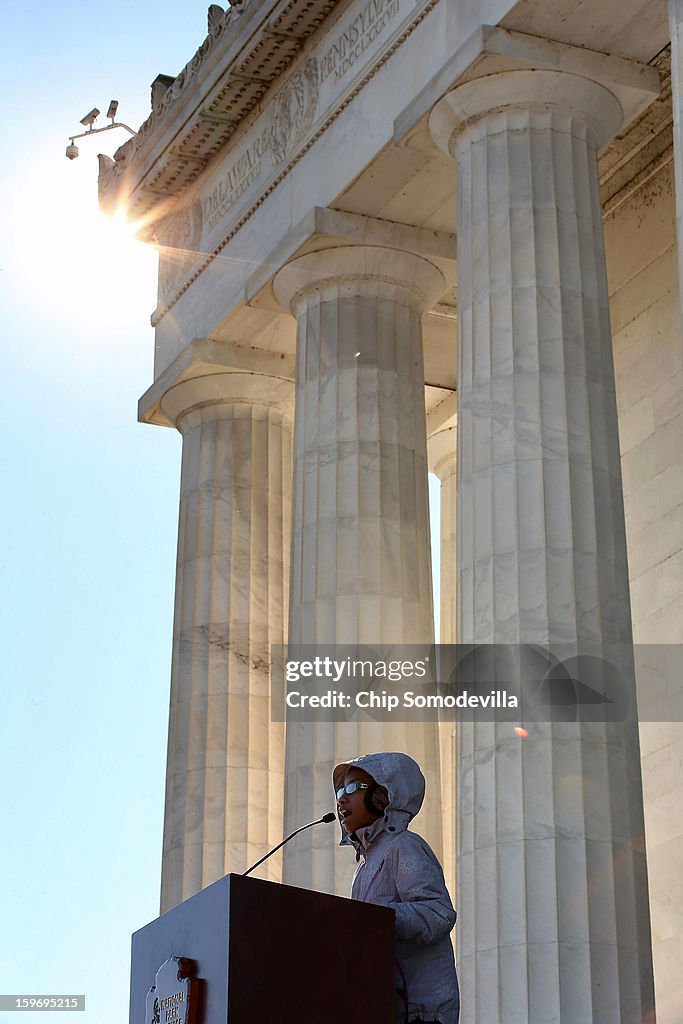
{"x":352,"y":787}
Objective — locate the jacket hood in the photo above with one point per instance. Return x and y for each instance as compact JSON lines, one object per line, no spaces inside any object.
{"x":401,"y":777}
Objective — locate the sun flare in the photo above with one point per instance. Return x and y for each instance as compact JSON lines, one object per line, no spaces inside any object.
{"x":80,"y":262}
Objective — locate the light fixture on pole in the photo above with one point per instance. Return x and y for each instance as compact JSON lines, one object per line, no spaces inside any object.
{"x":89,"y":122}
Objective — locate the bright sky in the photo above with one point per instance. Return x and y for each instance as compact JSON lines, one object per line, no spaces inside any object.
{"x":89,"y":510}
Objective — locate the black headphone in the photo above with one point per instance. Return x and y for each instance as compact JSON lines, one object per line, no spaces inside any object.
{"x":367,"y":799}
{"x":376,"y":806}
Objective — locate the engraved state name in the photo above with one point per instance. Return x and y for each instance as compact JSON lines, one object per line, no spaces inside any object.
{"x":350,"y":45}
{"x":294,"y":109}
{"x":239,"y":177}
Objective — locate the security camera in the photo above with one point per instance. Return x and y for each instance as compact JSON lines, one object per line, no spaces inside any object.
{"x":113,"y":107}
{"x":91,"y":117}
{"x":71,"y":151}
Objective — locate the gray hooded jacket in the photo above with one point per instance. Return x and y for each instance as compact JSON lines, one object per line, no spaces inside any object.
{"x":398,"y":869}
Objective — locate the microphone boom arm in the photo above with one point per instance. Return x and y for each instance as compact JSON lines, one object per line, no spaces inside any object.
{"x":330,"y":816}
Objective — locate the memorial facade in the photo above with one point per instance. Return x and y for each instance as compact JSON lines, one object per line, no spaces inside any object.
{"x":407,"y":235}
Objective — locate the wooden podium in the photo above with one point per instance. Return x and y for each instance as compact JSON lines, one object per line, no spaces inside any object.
{"x":255,"y":952}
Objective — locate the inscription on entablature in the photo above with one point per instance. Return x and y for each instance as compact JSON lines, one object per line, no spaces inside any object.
{"x":289,"y":118}
{"x":239,"y":176}
{"x":353,"y":41}
{"x":308,"y":96}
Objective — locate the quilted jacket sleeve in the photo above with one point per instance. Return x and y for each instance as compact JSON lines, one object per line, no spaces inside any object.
{"x":424,"y":912}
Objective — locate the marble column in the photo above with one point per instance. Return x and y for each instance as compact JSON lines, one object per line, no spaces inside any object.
{"x":552,"y":884}
{"x":441,"y":448}
{"x":676,"y":31}
{"x":224,"y":781}
{"x":361,"y":569}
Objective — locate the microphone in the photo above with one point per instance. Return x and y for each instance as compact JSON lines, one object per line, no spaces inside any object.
{"x":326,"y":818}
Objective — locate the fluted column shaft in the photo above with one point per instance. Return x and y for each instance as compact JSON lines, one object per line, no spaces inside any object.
{"x":554,"y":919}
{"x":360,"y":519}
{"x":676,"y":32}
{"x":225,"y":756}
{"x":441,"y":448}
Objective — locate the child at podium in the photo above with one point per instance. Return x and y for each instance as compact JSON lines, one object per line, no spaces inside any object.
{"x":377,"y":796}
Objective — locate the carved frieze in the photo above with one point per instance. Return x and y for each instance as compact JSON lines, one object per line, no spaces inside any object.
{"x":274,"y":32}
{"x":310,"y":99}
{"x":180,"y":243}
{"x":297,"y":110}
{"x":294,"y":109}
{"x":245,"y":169}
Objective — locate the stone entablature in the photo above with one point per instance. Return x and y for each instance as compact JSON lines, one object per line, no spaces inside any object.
{"x":194,"y":224}
{"x":237,"y":194}
{"x":246,"y":49}
{"x":637,"y":155}
{"x":324,"y":81}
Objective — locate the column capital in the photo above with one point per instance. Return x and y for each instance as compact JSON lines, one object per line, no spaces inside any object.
{"x":219,"y":389}
{"x":545,"y":92}
{"x":441,"y":451}
{"x":358,"y":270}
{"x":492,"y":50}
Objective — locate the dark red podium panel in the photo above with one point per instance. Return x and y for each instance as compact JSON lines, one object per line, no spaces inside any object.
{"x":267,"y":953}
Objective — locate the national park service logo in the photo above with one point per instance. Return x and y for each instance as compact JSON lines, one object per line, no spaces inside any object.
{"x":172,"y":997}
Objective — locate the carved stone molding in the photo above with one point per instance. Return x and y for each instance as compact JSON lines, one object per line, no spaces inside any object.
{"x":635,"y":156}
{"x":228,"y":389}
{"x":299,"y":140}
{"x":373,"y":270}
{"x":246,"y":49}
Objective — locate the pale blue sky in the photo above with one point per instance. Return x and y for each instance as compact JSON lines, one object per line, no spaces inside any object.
{"x":88,"y":514}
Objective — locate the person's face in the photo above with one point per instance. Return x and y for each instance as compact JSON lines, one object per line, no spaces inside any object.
{"x":352,"y":810}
